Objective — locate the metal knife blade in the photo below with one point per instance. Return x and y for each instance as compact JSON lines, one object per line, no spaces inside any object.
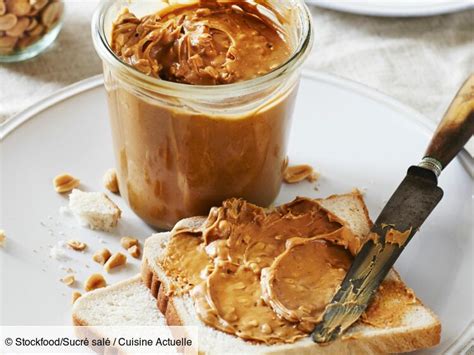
{"x":406,"y":211}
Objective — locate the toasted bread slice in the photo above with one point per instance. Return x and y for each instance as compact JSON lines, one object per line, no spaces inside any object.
{"x":417,"y":327}
{"x":127,"y":303}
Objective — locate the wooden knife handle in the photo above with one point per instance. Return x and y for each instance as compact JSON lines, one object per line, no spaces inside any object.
{"x":456,"y":128}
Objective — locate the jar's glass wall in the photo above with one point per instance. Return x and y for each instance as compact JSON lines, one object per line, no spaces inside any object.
{"x":174,"y":163}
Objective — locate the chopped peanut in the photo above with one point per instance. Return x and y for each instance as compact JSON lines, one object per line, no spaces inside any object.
{"x":75,"y":296}
{"x":114,"y":261}
{"x":128,"y":242}
{"x":3,"y":238}
{"x":76,"y":245}
{"x":65,"y":183}
{"x":134,"y":251}
{"x":94,"y":281}
{"x":110,"y":181}
{"x":102,"y":256}
{"x":298,"y":173}
{"x":68,"y":280}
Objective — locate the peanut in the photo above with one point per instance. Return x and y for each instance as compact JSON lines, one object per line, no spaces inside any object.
{"x":298,"y":173}
{"x":75,"y":296}
{"x":116,"y":260}
{"x":128,"y":242}
{"x":68,"y":280}
{"x":7,"y":43}
{"x":33,"y":24}
{"x":38,"y":4}
{"x":76,"y":245}
{"x":102,"y":256}
{"x":36,"y":31}
{"x":134,"y":251}
{"x":7,"y":22}
{"x":51,"y":14}
{"x":19,"y":28}
{"x":18,"y":7}
{"x":64,"y":182}
{"x":266,"y":328}
{"x":110,"y":181}
{"x":94,"y":281}
{"x":3,"y":238}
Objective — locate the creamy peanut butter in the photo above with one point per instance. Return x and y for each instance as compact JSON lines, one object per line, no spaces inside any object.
{"x":246,"y":260}
{"x":303,"y":280}
{"x":394,"y":236}
{"x":178,"y":157}
{"x":207,"y":43}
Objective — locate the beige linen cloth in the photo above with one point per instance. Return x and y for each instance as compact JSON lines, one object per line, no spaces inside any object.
{"x":419,"y":61}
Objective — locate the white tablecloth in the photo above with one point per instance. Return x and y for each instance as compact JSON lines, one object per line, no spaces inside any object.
{"x":419,"y":61}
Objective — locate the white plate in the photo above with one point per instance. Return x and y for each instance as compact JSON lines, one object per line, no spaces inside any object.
{"x":395,"y":8}
{"x":354,"y":136}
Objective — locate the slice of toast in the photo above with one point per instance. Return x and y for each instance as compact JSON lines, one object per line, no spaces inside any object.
{"x":417,"y":328}
{"x":127,"y":303}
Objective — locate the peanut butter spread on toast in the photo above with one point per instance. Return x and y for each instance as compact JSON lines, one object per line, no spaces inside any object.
{"x":206,"y":43}
{"x":239,"y":267}
{"x":267,"y":276}
{"x":300,"y":293}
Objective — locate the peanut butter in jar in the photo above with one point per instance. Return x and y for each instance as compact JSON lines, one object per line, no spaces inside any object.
{"x":200,"y":99}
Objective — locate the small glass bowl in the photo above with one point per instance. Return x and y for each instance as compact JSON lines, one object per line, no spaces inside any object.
{"x":39,"y":45}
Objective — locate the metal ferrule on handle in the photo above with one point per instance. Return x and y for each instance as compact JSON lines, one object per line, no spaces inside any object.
{"x":432,"y":164}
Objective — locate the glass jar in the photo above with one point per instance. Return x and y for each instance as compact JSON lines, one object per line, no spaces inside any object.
{"x":181,"y":149}
{"x":27,"y":27}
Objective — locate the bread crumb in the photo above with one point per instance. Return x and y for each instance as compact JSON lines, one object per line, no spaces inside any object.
{"x":3,"y":238}
{"x":58,"y":252}
{"x":64,"y":210}
{"x":94,"y":210}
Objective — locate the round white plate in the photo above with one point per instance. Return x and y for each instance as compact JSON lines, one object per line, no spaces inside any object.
{"x":354,"y":136}
{"x":395,"y":8}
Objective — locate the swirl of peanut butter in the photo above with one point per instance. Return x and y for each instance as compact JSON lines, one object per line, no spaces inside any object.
{"x":207,"y":43}
{"x":220,"y":263}
{"x":303,"y":280}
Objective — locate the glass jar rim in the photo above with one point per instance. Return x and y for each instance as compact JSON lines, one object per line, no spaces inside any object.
{"x":153,"y":84}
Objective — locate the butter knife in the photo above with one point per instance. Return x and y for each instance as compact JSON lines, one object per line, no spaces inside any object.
{"x":405,"y":212}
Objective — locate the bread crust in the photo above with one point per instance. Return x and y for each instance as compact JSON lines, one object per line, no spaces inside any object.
{"x":162,"y":300}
